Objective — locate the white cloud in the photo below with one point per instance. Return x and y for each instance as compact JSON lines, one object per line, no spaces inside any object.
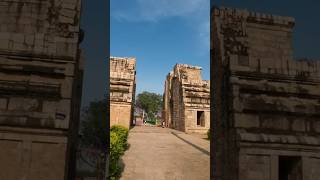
{"x":155,"y":10}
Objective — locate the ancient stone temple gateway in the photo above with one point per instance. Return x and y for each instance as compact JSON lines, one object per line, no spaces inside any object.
{"x":266,"y":108}
{"x":40,"y":88}
{"x":187,"y":100}
{"x":122,"y":90}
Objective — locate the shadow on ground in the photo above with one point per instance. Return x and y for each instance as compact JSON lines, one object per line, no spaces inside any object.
{"x":193,"y":145}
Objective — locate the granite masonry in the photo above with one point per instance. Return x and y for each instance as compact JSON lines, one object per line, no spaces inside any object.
{"x":40,"y":88}
{"x":186,"y":105}
{"x":122,"y":90}
{"x":265,"y":104}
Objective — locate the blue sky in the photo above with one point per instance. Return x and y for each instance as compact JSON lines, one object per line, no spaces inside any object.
{"x":160,"y":33}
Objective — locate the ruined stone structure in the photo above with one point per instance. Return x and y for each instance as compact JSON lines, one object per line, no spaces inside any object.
{"x":40,"y":88}
{"x":187,"y":100}
{"x":122,"y":90}
{"x":265,"y":105}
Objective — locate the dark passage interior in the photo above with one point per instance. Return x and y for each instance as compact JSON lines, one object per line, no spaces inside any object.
{"x":290,"y":168}
{"x":200,"y":118}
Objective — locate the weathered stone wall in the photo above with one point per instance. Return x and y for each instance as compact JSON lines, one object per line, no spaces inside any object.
{"x":185,"y":95}
{"x":39,"y":76}
{"x":265,"y":103}
{"x":167,"y":105}
{"x":122,"y":90}
{"x":46,"y":28}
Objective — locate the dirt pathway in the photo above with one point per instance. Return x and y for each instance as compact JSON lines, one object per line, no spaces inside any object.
{"x":164,"y":154}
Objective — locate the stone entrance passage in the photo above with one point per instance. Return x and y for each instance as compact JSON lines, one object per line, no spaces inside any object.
{"x":164,"y":154}
{"x":290,"y":168}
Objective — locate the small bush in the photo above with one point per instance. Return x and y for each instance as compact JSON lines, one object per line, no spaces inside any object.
{"x":122,"y":133}
{"x":118,"y":145}
{"x":116,"y":150}
{"x":152,"y":121}
{"x":208,"y":134}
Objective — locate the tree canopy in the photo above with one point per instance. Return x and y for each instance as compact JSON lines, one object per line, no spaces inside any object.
{"x":150,"y":102}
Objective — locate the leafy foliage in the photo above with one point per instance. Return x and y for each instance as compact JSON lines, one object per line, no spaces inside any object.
{"x":152,"y":121}
{"x":116,"y":151}
{"x":151,"y":103}
{"x":122,"y":133}
{"x":118,"y":144}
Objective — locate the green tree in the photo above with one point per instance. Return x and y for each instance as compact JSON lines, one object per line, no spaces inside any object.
{"x":151,"y":103}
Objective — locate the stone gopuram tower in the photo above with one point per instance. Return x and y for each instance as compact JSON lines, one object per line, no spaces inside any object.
{"x":40,"y":88}
{"x":187,"y":100}
{"x":266,"y":105}
{"x":122,"y":90}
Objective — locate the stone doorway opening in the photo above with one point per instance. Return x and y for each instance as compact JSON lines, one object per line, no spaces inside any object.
{"x":290,"y":168}
{"x":200,"y":118}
